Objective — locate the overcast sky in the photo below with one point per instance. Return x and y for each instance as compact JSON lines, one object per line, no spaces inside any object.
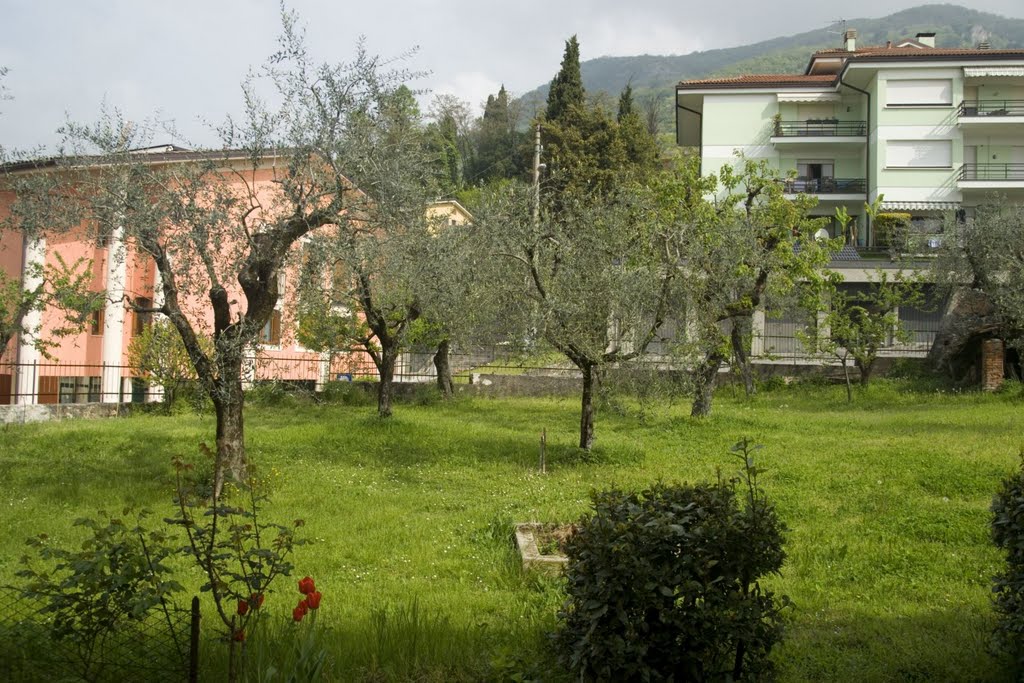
{"x":183,"y":59}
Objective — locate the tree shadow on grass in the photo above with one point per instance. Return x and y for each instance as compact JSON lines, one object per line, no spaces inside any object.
{"x":934,"y":646}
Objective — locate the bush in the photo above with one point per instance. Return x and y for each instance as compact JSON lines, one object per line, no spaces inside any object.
{"x":1008,"y":586}
{"x":663,"y":585}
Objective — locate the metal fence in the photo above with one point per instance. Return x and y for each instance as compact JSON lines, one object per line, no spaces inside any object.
{"x":67,"y":383}
{"x":159,"y":647}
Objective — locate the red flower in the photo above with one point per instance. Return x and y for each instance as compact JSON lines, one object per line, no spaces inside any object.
{"x":304,"y":606}
{"x":256,"y":600}
{"x":297,"y":614}
{"x":306,"y":586}
{"x":313,"y":600}
{"x":238,"y":636}
{"x":243,"y":607}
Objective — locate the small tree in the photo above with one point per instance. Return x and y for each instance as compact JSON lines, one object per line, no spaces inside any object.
{"x":594,"y":279}
{"x":859,"y":324}
{"x":159,"y":355}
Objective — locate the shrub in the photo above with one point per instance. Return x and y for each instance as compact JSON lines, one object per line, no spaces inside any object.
{"x":1008,"y":586}
{"x":664,"y":584}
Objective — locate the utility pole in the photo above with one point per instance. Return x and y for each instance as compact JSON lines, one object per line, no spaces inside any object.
{"x":536,"y":176}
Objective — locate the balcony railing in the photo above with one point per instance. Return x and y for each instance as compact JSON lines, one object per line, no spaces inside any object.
{"x":992,"y":172}
{"x":979,"y":108}
{"x":826,"y":186}
{"x":826,"y":128}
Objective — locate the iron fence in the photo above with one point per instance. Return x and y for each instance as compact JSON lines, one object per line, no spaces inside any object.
{"x":64,"y":383}
{"x":1012,"y":171}
{"x":159,"y":647}
{"x":992,"y":108}
{"x":821,"y":128}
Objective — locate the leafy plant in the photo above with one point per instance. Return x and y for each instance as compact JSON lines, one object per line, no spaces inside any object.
{"x":113,"y":580}
{"x":664,"y":584}
{"x":1008,"y":585}
{"x":239,"y":553}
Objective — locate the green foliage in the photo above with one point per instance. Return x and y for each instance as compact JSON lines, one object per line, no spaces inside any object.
{"x":1008,"y":584}
{"x":566,"y":92}
{"x":665,"y":584}
{"x":62,"y":287}
{"x":117,"y":576}
{"x":983,"y":252}
{"x":159,"y":355}
{"x":860,"y":323}
{"x":240,"y":554}
{"x":892,"y":230}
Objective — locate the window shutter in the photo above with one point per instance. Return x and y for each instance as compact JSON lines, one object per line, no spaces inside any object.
{"x":919,"y":154}
{"x":910,"y":93}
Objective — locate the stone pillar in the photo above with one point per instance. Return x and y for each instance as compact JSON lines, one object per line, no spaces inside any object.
{"x":991,"y":364}
{"x":155,"y":392}
{"x":111,"y":351}
{"x":26,"y":381}
{"x":757,"y":333}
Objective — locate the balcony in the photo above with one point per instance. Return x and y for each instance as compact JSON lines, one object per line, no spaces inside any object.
{"x":991,"y":117}
{"x":989,"y":177}
{"x":986,"y":108}
{"x":827,"y":188}
{"x":819,"y":132}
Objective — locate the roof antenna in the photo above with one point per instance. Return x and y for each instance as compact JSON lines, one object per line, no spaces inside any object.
{"x":835,"y":23}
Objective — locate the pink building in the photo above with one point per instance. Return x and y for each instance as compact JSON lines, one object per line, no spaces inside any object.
{"x":93,"y":365}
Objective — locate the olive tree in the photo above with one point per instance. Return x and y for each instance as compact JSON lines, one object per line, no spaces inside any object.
{"x":222,"y":225}
{"x":983,"y":253}
{"x":594,"y":278}
{"x":739,"y":242}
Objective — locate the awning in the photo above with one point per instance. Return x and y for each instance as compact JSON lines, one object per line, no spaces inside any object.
{"x":990,"y":71}
{"x":808,"y":97}
{"x":920,"y":206}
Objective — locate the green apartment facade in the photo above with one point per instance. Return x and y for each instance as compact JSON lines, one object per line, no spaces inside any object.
{"x":931,"y":130}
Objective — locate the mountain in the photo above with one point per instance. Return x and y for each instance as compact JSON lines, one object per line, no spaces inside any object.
{"x":652,"y":75}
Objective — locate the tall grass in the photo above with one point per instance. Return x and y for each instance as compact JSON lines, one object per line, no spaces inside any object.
{"x":886,"y":498}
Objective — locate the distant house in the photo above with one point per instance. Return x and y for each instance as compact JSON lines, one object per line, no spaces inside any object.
{"x":932,"y":130}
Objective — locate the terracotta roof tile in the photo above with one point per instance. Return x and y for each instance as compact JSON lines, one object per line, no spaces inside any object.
{"x":885,"y":51}
{"x":762,"y":80}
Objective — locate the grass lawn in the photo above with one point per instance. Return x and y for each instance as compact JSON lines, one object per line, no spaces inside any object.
{"x":889,"y":559}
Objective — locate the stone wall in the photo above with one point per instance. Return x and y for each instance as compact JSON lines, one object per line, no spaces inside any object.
{"x":20,"y":414}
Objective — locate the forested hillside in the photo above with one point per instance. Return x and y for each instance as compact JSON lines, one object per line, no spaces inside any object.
{"x":652,"y":75}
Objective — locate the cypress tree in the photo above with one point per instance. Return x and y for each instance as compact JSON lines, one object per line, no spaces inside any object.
{"x":567,"y":86}
{"x":625,"y":103}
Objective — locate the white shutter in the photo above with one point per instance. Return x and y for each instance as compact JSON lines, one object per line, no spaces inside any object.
{"x":909,"y":93}
{"x":919,"y":154}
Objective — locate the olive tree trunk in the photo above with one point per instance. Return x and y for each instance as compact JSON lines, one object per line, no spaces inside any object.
{"x":587,"y":408}
{"x":443,"y":367}
{"x":705,"y":377}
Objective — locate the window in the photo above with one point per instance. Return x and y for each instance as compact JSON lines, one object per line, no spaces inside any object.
{"x":96,"y":322}
{"x":919,"y":154}
{"x":919,"y":93}
{"x":141,"y":319}
{"x":271,"y":333}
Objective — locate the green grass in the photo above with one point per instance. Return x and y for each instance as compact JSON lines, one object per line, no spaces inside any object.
{"x":889,"y":559}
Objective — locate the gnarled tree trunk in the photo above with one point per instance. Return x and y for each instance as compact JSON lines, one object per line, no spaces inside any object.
{"x":587,"y":408}
{"x":705,"y":376}
{"x":386,"y":370}
{"x":740,"y":337}
{"x":444,"y":369}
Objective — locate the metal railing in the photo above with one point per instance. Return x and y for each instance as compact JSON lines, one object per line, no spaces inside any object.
{"x":825,"y":186}
{"x":820,"y":128}
{"x":982,"y":108}
{"x":988,"y":171}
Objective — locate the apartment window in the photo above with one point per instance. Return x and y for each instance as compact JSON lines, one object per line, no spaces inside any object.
{"x":919,"y":154}
{"x":96,"y":321}
{"x":919,"y":93}
{"x":271,"y":333}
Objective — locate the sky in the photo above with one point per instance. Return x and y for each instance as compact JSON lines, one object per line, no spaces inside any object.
{"x":183,"y":60}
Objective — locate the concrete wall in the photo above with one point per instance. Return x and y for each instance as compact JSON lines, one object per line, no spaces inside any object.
{"x":20,"y":414}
